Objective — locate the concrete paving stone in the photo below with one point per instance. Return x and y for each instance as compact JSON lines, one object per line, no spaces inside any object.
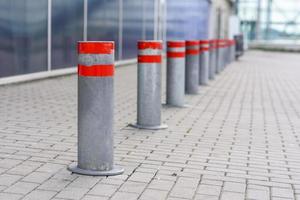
{"x":232,"y":196}
{"x":258,"y":194}
{"x":150,"y":194}
{"x":50,"y":168}
{"x":161,"y":184}
{"x":9,"y":196}
{"x":93,"y":197}
{"x":40,"y":195}
{"x":72,"y":193}
{"x":85,"y":182}
{"x":234,"y":187}
{"x":112,"y":181}
{"x":282,"y":192}
{"x":206,"y":197}
{"x":179,"y":192}
{"x":21,"y":188}
{"x":37,"y":177}
{"x":54,"y":184}
{"x":125,"y":195}
{"x":134,"y":187}
{"x":213,"y":190}
{"x":103,"y":190}
{"x":9,"y":163}
{"x":211,"y":182}
{"x":141,"y":177}
{"x":9,"y":179}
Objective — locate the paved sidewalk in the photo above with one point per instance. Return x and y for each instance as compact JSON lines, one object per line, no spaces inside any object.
{"x":238,"y":140}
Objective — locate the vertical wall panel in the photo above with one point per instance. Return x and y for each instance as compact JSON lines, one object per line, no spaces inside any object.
{"x":187,"y":19}
{"x":67,"y":29}
{"x":23,"y":36}
{"x":103,"y":20}
{"x":132,"y":26}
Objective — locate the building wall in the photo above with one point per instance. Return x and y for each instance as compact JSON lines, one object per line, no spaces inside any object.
{"x":222,"y":10}
{"x":31,"y":42}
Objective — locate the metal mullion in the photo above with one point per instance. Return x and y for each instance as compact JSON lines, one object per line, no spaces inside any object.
{"x":120,"y":34}
{"x":49,"y":35}
{"x":85,"y":19}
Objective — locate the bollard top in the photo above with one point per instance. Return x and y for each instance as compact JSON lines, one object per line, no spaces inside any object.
{"x":149,"y":44}
{"x":176,"y":43}
{"x":95,"y":47}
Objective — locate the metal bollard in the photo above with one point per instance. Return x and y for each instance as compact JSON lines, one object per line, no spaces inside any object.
{"x":204,"y":62}
{"x":192,"y":67}
{"x":212,"y":59}
{"x":222,"y":47}
{"x":219,"y":56}
{"x":149,"y":85}
{"x":232,"y":51}
{"x":227,"y":52}
{"x":175,"y":73}
{"x":95,"y":110}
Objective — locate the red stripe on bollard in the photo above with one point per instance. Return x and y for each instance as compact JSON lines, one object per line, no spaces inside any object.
{"x":175,"y":54}
{"x":149,"y":58}
{"x":175,"y":44}
{"x":204,"y":42}
{"x":204,"y":48}
{"x":96,"y":48}
{"x":149,"y":45}
{"x":192,"y":51}
{"x":192,"y":43}
{"x":96,"y":70}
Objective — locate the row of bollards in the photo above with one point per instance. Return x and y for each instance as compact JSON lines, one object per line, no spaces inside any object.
{"x":189,"y":64}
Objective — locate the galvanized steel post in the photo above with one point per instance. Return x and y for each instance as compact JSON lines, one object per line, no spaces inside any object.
{"x":149,"y":85}
{"x":204,"y":62}
{"x":95,"y":110}
{"x":212,"y":59}
{"x":175,"y":73}
{"x":232,"y":51}
{"x":227,"y":53}
{"x":219,"y":56}
{"x":192,"y":67}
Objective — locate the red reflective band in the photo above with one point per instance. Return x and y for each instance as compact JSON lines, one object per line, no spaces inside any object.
{"x":204,"y":42}
{"x":192,"y":51}
{"x":204,"y":48}
{"x":175,"y":44}
{"x":175,"y":54}
{"x":149,"y":45}
{"x":192,"y":43}
{"x":96,"y":70}
{"x":95,"y":47}
{"x":149,"y":58}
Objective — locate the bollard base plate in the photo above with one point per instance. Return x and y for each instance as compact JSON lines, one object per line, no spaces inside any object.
{"x":174,"y":106}
{"x":162,"y":126}
{"x":115,"y":171}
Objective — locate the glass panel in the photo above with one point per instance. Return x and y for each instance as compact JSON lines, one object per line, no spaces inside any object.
{"x":103,"y":20}
{"x":191,"y":23}
{"x":23,"y":36}
{"x":67,"y":29}
{"x":132,"y":26}
{"x":148,"y":19}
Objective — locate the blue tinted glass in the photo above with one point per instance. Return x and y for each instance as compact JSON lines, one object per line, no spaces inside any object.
{"x":67,"y":29}
{"x":187,"y":19}
{"x":103,"y":20}
{"x":23,"y":36}
{"x":148,"y":19}
{"x":132,"y":26}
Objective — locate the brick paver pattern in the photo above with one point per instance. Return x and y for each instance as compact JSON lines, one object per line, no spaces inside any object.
{"x":237,"y":139}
